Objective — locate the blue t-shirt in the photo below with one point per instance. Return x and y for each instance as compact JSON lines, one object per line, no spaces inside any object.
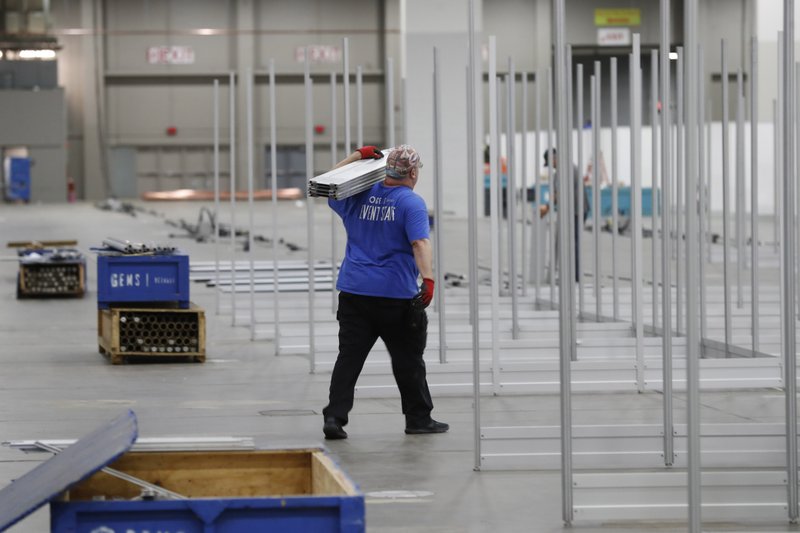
{"x":381,"y":224}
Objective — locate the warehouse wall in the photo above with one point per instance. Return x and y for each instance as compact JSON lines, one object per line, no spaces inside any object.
{"x":133,"y":102}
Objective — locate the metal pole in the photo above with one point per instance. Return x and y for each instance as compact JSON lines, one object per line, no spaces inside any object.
{"x":754,"y":289}
{"x":273,"y":150}
{"x":636,"y":207}
{"x":614,"y":188}
{"x":703,"y":221}
{"x":654,"y":173}
{"x":309,"y":84}
{"x":389,"y":101}
{"x":580,"y":207}
{"x":551,"y":213}
{"x":250,"y":206}
{"x":494,"y":157}
{"x":359,"y":106}
{"x":503,"y":196}
{"x":708,"y":180}
{"x":216,"y":195}
{"x":537,"y":203}
{"x":334,"y":222}
{"x":525,"y":205}
{"x":666,"y":241}
{"x":511,"y":186}
{"x":679,"y":175}
{"x":573,"y":221}
{"x":598,"y":295}
{"x":725,"y":199}
{"x":692,"y":258}
{"x":437,"y":205}
{"x":346,"y":82}
{"x":232,"y":163}
{"x":789,"y":348}
{"x":740,"y":214}
{"x":472,"y":193}
{"x":778,"y":205}
{"x":566,"y":306}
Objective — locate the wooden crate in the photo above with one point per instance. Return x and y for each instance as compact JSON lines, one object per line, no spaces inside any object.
{"x":235,"y":491}
{"x":67,"y":280}
{"x":141,"y":333}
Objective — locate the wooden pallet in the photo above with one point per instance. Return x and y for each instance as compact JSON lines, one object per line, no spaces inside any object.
{"x":27,"y":286}
{"x":147,"y":334}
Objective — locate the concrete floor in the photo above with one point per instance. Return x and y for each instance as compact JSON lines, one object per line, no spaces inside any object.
{"x":55,"y":385}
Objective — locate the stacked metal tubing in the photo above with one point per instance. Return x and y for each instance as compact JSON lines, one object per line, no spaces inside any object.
{"x":167,"y":333}
{"x":130,"y":247}
{"x":52,"y":279}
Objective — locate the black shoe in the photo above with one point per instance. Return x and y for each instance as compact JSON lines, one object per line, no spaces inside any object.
{"x":333,"y":429}
{"x":431,"y":426}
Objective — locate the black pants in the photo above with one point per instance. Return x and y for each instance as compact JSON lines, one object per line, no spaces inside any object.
{"x":404,"y":330}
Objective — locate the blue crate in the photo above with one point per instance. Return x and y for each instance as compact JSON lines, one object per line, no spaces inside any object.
{"x":142,"y":278}
{"x":18,"y":186}
{"x":340,"y":514}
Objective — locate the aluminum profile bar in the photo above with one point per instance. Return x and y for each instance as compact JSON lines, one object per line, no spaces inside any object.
{"x":536,"y":259}
{"x":778,"y":220}
{"x":636,"y":208}
{"x":703,"y":220}
{"x":232,"y":163}
{"x":614,"y":191}
{"x":709,"y":121}
{"x":666,"y":241}
{"x":438,"y":195}
{"x":346,"y":93}
{"x":334,"y":221}
{"x":573,"y":221}
{"x":359,"y":106}
{"x":740,"y":170}
{"x":580,"y":207}
{"x":503,"y":196}
{"x":390,"y":102}
{"x":524,"y":188}
{"x":250,"y":206}
{"x":273,"y":150}
{"x":789,"y":345}
{"x":566,"y":305}
{"x":309,"y":134}
{"x":725,"y":201}
{"x":216,"y":193}
{"x":680,"y":169}
{"x":596,"y":128}
{"x":474,"y":139}
{"x":551,"y":213}
{"x":754,"y":287}
{"x":511,"y":187}
{"x":692,"y":258}
{"x":654,"y":184}
{"x":494,"y":157}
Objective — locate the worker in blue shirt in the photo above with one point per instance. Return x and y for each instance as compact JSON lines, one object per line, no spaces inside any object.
{"x":388,"y":247}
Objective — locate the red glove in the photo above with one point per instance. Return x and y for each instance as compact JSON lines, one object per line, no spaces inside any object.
{"x":426,"y":291}
{"x":370,"y":152}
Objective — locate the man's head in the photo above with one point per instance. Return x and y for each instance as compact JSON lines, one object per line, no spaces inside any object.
{"x":550,"y":155}
{"x":402,"y":166}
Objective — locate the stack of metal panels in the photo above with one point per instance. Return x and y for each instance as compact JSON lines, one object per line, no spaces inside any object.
{"x":348,"y":180}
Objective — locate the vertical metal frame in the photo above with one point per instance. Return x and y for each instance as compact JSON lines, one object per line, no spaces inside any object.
{"x":551,"y":189}
{"x":692,"y":265}
{"x":494,"y":157}
{"x":789,"y":345}
{"x":703,"y":221}
{"x":334,"y":161}
{"x":666,"y":241}
{"x":614,"y":190}
{"x":359,"y":105}
{"x":389,"y":81}
{"x":249,"y":83}
{"x":754,"y":286}
{"x":636,"y":208}
{"x":566,"y":305}
{"x":581,"y":196}
{"x":680,"y":168}
{"x":654,"y":184}
{"x":438,"y":193}
{"x":511,"y":187}
{"x":309,"y":134}
{"x":740,"y":177}
{"x":232,"y":164}
{"x":273,"y":150}
{"x":725,"y":201}
{"x":524,"y":187}
{"x":596,"y":129}
{"x":536,"y":258}
{"x":215,"y":95}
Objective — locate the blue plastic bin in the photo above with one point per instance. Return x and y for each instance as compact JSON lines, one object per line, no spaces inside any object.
{"x":142,"y":278}
{"x":18,"y":186}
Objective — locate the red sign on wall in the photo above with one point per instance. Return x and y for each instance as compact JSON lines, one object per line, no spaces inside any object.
{"x":170,"y":55}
